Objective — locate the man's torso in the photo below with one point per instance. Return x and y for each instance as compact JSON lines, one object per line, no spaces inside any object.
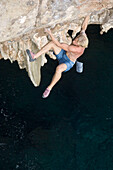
{"x":73,"y":56}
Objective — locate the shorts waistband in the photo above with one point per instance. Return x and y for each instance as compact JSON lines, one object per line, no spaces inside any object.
{"x":70,"y":60}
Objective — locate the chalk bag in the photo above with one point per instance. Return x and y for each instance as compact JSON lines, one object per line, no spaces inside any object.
{"x":79,"y":67}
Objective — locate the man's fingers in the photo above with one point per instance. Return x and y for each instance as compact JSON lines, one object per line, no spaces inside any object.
{"x":47,"y":30}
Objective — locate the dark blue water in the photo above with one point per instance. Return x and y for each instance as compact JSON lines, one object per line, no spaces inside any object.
{"x":70,"y":130}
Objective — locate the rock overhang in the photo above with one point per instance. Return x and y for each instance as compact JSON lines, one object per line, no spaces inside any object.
{"x":23,"y":24}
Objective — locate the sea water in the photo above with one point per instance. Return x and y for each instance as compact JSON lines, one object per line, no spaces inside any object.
{"x":70,"y":130}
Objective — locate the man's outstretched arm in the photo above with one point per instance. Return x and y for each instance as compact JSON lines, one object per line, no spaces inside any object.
{"x":85,"y":23}
{"x":61,"y":45}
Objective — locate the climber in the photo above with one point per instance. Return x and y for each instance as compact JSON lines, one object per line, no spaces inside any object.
{"x":66,"y":54}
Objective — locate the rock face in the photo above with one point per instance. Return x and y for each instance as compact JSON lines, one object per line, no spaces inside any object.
{"x":23,"y":24}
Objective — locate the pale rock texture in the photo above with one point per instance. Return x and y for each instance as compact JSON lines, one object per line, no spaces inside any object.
{"x":23,"y":24}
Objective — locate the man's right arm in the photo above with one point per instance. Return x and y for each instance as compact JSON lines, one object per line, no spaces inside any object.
{"x":85,"y":23}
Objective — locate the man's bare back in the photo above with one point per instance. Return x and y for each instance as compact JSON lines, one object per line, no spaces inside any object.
{"x":74,"y":55}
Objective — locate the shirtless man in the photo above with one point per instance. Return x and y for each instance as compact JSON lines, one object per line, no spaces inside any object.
{"x":66,"y":54}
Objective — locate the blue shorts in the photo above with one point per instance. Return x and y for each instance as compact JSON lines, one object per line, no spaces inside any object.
{"x":62,"y":58}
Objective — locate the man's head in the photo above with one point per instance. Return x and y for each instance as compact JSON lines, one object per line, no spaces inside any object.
{"x":81,"y":40}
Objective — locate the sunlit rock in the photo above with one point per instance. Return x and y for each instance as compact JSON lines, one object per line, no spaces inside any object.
{"x":23,"y":24}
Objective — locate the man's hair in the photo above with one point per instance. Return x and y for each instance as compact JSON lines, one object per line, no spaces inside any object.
{"x":82,"y":40}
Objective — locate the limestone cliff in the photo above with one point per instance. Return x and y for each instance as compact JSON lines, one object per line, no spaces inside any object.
{"x":23,"y":24}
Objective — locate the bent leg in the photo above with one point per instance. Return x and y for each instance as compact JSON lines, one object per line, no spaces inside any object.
{"x":58,"y":73}
{"x":48,"y":47}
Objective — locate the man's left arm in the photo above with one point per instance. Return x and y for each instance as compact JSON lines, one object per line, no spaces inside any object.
{"x":61,"y":45}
